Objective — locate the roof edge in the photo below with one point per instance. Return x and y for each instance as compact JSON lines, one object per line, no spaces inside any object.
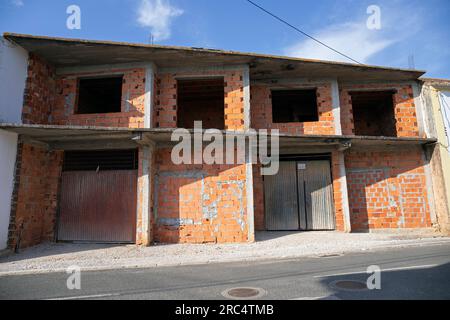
{"x":12,"y":36}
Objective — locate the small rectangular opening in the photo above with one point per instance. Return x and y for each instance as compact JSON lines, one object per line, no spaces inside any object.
{"x":101,"y":160}
{"x":201,"y":100}
{"x":373,"y":113}
{"x":99,"y":95}
{"x":294,"y":106}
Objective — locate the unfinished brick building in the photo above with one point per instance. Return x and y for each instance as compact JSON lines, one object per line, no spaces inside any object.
{"x":93,"y":159}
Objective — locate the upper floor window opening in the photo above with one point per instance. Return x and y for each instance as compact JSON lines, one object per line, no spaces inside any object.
{"x":294,"y":106}
{"x":99,"y":95}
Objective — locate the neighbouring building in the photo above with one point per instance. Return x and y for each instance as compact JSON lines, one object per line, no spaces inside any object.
{"x":436,"y":96}
{"x":93,"y":160}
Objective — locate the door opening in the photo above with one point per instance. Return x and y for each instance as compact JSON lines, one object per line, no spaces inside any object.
{"x":300,"y":196}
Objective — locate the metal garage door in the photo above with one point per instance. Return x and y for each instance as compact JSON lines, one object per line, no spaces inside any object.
{"x":98,"y":197}
{"x":300,"y":197}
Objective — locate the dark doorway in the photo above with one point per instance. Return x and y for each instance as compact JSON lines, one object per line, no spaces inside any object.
{"x":98,"y":197}
{"x":373,"y":113}
{"x":201,"y":100}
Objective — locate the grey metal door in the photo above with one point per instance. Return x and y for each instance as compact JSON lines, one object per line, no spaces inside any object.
{"x":281,"y":204}
{"x":318,"y":195}
{"x":300,"y":197}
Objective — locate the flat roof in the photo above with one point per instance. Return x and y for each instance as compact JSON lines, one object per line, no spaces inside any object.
{"x":65,"y":52}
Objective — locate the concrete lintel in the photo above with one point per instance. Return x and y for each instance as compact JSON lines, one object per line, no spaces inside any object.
{"x":93,"y":145}
{"x":292,"y":81}
{"x":33,"y":142}
{"x":101,"y":69}
{"x":196,"y":71}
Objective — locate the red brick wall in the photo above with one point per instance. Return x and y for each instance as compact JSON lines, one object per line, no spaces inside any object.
{"x":387,"y":189}
{"x":132,"y":109}
{"x":199,"y":203}
{"x":166,"y":98}
{"x":258,"y":198}
{"x":37,"y":196}
{"x":261,"y":111}
{"x":404,"y":108}
{"x":40,"y":91}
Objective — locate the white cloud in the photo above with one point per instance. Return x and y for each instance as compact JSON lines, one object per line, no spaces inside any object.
{"x":157,"y":15}
{"x":18,"y":3}
{"x":352,"y":39}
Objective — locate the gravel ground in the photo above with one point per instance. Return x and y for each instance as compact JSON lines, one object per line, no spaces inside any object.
{"x":270,"y":245}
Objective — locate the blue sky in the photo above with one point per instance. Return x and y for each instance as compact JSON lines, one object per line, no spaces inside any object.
{"x":408,"y":27}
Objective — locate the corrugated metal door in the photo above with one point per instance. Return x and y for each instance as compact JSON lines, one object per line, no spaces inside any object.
{"x":95,"y":205}
{"x":281,"y":199}
{"x":318,"y":195}
{"x":300,"y":197}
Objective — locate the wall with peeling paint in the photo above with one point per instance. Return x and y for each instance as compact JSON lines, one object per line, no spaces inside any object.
{"x":199,"y":203}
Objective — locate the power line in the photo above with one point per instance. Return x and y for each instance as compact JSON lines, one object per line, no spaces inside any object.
{"x":302,"y":32}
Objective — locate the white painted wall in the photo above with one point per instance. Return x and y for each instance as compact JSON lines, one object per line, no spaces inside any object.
{"x":8,"y":148}
{"x":13,"y":74}
{"x":445,"y":111}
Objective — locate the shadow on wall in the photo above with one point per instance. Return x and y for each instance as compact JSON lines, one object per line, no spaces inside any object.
{"x":199,"y":203}
{"x":387,"y":189}
{"x":412,"y":284}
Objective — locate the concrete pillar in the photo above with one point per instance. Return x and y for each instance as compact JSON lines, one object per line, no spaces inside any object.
{"x":249,"y":195}
{"x":344,"y":192}
{"x":144,"y":207}
{"x":150,"y":71}
{"x":336,"y":107}
{"x":246,"y":85}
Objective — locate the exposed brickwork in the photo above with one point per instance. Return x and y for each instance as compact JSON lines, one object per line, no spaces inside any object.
{"x":258,"y":198}
{"x":199,"y":203}
{"x":37,"y":196}
{"x":261,"y":111}
{"x":387,"y":189}
{"x":404,"y":108}
{"x":166,"y":98}
{"x":40,"y":91}
{"x":132,"y":108}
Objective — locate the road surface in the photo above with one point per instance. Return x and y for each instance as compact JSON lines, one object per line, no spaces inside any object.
{"x":406,"y":273}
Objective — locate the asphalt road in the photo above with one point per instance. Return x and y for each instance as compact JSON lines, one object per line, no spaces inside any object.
{"x":407,"y":273}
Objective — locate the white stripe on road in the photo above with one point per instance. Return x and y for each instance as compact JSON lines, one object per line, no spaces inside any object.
{"x":389,"y":269}
{"x":87,"y":297}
